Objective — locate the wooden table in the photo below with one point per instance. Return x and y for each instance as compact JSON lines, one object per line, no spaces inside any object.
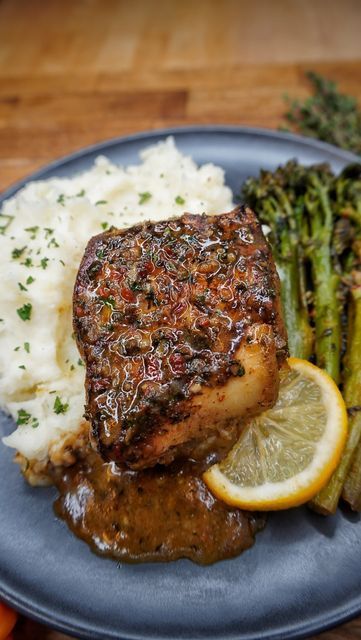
{"x":77,"y":72}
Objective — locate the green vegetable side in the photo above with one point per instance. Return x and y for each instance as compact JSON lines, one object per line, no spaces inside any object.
{"x":314,"y":227}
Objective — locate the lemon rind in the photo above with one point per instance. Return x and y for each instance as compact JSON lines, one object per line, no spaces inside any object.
{"x":306,"y":484}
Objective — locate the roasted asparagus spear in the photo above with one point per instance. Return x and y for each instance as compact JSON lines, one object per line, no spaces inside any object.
{"x":346,"y":195}
{"x":314,"y":221}
{"x":274,"y":203}
{"x":325,"y":279}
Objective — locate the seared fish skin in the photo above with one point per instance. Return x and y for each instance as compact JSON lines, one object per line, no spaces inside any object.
{"x":180,"y":326}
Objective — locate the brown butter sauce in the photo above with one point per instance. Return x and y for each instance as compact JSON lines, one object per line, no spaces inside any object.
{"x":157,"y":514}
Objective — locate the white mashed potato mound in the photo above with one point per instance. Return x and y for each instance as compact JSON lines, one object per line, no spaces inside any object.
{"x":45,"y":229}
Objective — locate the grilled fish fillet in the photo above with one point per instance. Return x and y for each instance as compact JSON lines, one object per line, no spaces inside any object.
{"x":180,"y":326}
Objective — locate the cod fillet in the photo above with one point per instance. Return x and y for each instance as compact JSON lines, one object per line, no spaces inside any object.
{"x":180,"y":326}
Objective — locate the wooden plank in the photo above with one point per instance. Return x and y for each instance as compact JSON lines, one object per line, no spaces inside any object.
{"x":105,"y":34}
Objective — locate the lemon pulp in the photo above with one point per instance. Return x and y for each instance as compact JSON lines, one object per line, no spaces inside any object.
{"x":286,"y":454}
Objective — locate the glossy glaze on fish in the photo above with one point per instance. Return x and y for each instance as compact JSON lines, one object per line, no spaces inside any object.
{"x":180,"y":326}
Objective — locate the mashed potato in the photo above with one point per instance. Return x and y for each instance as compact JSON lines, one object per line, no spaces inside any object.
{"x":46,"y":227}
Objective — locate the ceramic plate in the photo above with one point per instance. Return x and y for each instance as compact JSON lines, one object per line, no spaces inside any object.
{"x":302,"y":576}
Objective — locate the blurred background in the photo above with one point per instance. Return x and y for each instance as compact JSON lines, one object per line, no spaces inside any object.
{"x":77,"y":72}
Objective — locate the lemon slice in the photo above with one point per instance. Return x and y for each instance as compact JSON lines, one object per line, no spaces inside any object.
{"x":288,"y":453}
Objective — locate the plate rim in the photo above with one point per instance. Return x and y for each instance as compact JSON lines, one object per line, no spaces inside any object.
{"x":338,"y":616}
{"x":169,"y":131}
{"x":286,"y":632}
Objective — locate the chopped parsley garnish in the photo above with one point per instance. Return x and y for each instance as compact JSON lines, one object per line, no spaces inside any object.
{"x":44,"y":263}
{"x":72,"y":367}
{"x":179,"y":200}
{"x":236,"y":368}
{"x":101,"y":202}
{"x":109,"y":302}
{"x":81,"y":194}
{"x":53,"y":243}
{"x":201,"y":298}
{"x":23,"y":417}
{"x":17,"y":349}
{"x":1,"y":319}
{"x":27,"y":347}
{"x":144,"y":197}
{"x":61,"y":199}
{"x":22,"y":366}
{"x":33,"y":231}
{"x":27,"y":262}
{"x":62,"y":262}
{"x":30,"y":280}
{"x":81,"y":363}
{"x":100,"y":253}
{"x":59,"y":406}
{"x":3,"y":227}
{"x":48,"y":232}
{"x":26,"y":418}
{"x":25,"y":311}
{"x":135,"y":286}
{"x":17,"y":253}
{"x":104,"y":225}
{"x":21,"y":287}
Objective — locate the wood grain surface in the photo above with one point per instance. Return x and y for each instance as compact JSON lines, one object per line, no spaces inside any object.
{"x":77,"y":72}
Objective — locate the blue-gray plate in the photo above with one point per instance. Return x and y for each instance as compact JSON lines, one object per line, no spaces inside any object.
{"x":302,"y":576}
